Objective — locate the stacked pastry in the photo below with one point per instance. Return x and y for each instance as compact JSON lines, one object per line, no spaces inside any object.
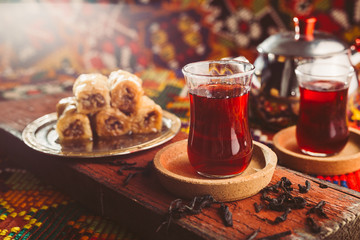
{"x":107,"y":107}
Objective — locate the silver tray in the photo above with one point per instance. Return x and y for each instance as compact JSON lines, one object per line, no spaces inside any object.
{"x":41,"y":136}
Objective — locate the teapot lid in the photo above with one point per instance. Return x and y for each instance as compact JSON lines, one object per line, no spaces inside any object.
{"x":303,"y":42}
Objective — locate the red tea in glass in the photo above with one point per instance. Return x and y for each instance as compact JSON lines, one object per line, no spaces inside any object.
{"x":322,"y":128}
{"x":322,"y":125}
{"x":219,"y":142}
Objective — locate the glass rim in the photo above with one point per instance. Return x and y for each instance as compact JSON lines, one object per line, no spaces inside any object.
{"x":186,"y":72}
{"x":300,"y":71}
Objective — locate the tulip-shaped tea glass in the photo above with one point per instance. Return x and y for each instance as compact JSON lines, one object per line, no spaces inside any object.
{"x":322,"y":128}
{"x":219,"y":143}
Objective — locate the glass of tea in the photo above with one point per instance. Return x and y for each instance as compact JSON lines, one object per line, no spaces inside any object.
{"x":219,"y":143}
{"x":322,"y":128}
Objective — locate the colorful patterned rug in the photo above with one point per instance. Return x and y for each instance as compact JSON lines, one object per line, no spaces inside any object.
{"x":30,"y":209}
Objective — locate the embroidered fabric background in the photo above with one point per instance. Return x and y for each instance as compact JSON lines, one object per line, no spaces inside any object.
{"x":50,"y":40}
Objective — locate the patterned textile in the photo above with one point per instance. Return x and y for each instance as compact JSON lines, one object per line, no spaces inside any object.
{"x":30,"y":209}
{"x":45,"y":45}
{"x":51,"y":38}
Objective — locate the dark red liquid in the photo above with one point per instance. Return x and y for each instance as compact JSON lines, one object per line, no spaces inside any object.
{"x":322,"y":125}
{"x":220,"y":142}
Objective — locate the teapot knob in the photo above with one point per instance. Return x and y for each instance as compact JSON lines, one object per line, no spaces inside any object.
{"x":357,"y":44}
{"x":304,"y":27}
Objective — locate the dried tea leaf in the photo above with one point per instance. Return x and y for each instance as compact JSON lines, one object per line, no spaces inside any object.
{"x":131,"y":166}
{"x":306,"y":188}
{"x":285,"y":199}
{"x":286,"y":184}
{"x":282,"y":218}
{"x":226,"y":215}
{"x":258,"y":207}
{"x":279,"y":197}
{"x":179,"y":209}
{"x":318,"y":209}
{"x":129,"y":177}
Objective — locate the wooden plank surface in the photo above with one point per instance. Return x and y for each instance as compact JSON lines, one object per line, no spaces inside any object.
{"x":143,"y":202}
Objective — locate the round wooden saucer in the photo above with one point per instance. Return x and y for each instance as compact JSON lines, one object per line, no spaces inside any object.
{"x":177,"y":175}
{"x":347,"y":161}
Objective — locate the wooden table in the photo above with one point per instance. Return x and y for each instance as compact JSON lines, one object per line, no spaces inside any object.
{"x":143,"y":203}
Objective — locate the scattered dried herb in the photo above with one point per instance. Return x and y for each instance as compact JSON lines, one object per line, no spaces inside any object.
{"x":125,"y":166}
{"x":286,"y":184}
{"x":129,"y":177}
{"x":258,"y":207}
{"x":253,"y":235}
{"x":276,"y":236}
{"x":318,"y":209}
{"x":283,"y":201}
{"x":179,"y":209}
{"x":226,"y":215}
{"x":278,"y":197}
{"x":281,"y":218}
{"x":306,"y":188}
{"x":315,"y":228}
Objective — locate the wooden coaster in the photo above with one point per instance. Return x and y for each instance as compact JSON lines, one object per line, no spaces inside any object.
{"x":289,"y":154}
{"x":178,"y":176}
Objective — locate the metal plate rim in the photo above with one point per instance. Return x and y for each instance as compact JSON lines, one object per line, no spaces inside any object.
{"x":30,"y":139}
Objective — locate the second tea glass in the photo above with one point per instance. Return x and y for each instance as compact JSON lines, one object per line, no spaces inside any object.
{"x":322,"y":127}
{"x":219,"y":143}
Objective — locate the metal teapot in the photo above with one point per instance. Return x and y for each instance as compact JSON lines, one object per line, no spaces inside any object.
{"x":275,"y":92}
